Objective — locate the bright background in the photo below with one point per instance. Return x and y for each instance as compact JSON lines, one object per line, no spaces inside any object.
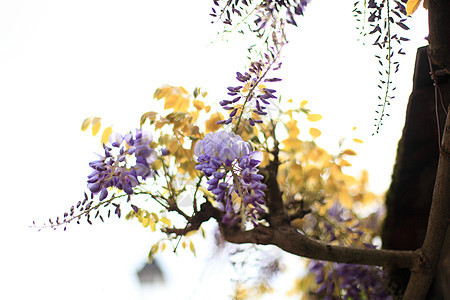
{"x":62,"y":61}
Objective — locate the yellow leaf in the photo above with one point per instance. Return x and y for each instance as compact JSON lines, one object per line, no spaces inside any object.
{"x":292,"y":128}
{"x":364,"y":177}
{"x":191,"y":246}
{"x":211,"y":124}
{"x":246,"y":87}
{"x":183,"y":244}
{"x":173,"y":146}
{"x":266,"y":159}
{"x":295,"y":171}
{"x":314,"y":132}
{"x":289,"y":101}
{"x":165,"y":221}
{"x":208,"y":108}
{"x":183,"y":90}
{"x":86,"y":123}
{"x":314,"y":117}
{"x":292,"y":144}
{"x":155,"y":217}
{"x":160,"y":124}
{"x":145,"y":221}
{"x":203,"y":232}
{"x":183,"y":105}
{"x":177,"y":101}
{"x":96,"y":124}
{"x":154,"y":248}
{"x":172,"y":101}
{"x":198,"y":104}
{"x":358,"y":141}
{"x":105,"y":136}
{"x":190,"y":233}
{"x":349,"y":152}
{"x":194,"y":115}
{"x":314,"y":172}
{"x":303,"y":103}
{"x":156,"y":165}
{"x":148,"y":115}
{"x":344,"y":163}
{"x":345,"y":199}
{"x":307,"y":282}
{"x":412,"y":5}
{"x":162,"y":92}
{"x":152,"y":225}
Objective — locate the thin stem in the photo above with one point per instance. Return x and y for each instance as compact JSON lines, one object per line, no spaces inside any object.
{"x":250,"y":92}
{"x":388,"y":81}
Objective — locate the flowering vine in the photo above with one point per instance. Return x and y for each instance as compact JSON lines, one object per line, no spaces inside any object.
{"x":111,"y":170}
{"x":232,"y":168}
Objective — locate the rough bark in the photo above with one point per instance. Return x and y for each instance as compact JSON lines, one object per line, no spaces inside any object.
{"x":290,"y":240}
{"x":431,"y":249}
{"x":438,"y":231}
{"x":408,"y":200}
{"x":416,"y":172}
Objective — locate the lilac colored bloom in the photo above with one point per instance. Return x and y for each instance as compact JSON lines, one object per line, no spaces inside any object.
{"x":111,"y":170}
{"x":231,"y":166}
{"x":355,"y":281}
{"x":255,"y":97}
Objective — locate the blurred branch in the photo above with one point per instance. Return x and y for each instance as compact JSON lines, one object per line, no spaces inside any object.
{"x":274,"y":198}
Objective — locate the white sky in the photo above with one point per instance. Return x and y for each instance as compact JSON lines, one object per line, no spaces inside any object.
{"x":61,"y":61}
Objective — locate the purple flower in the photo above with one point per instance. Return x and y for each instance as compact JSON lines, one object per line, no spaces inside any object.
{"x":355,"y":281}
{"x":231,"y":166}
{"x":255,"y":97}
{"x":112,"y":169}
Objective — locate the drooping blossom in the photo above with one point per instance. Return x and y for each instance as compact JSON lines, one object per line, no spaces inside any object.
{"x":113,"y":169}
{"x":231,"y":168}
{"x":251,"y":97}
{"x":265,"y":13}
{"x":349,"y":281}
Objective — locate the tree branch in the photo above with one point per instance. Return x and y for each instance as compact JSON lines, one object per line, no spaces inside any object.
{"x":421,"y":278}
{"x":290,"y":240}
{"x":206,"y":212}
{"x":439,"y":49}
{"x":274,"y":200}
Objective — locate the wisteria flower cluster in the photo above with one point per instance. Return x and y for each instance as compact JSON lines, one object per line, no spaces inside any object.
{"x":251,"y":96}
{"x":112,"y":170}
{"x":231,"y":166}
{"x":349,"y":281}
{"x":266,"y":11}
{"x":269,"y":9}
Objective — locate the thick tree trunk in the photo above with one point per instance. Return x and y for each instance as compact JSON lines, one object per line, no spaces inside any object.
{"x":409,"y":198}
{"x":439,"y":38}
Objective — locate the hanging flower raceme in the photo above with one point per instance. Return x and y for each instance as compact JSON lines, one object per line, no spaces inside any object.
{"x":348,"y":281}
{"x":251,"y":98}
{"x":113,"y":169}
{"x":231,"y":166}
